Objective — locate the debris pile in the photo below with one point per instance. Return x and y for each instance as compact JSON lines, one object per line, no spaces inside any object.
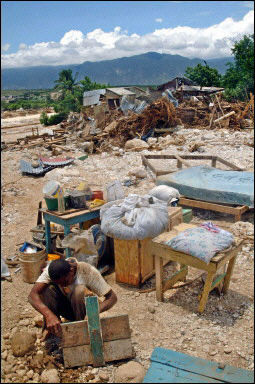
{"x":160,"y":114}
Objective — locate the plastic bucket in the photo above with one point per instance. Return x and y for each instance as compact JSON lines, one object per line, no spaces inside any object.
{"x":52,"y":203}
{"x":51,"y":188}
{"x":97,"y":195}
{"x":77,"y":199}
{"x":53,"y":256}
{"x":31,"y":269}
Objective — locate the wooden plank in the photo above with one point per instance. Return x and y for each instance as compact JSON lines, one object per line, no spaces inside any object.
{"x":159,"y":277}
{"x":230,"y":165}
{"x":113,"y":328}
{"x":182,"y":161}
{"x":206,"y":368}
{"x":177,"y":276}
{"x":161,"y":373}
{"x":127,"y":261}
{"x":210,"y":206}
{"x":147,"y":261}
{"x":112,"y":350}
{"x":71,"y":215}
{"x":230,"y":269}
{"x":94,"y":328}
{"x":224,"y":117}
{"x":206,"y":291}
{"x":146,"y":163}
{"x":217,"y":281}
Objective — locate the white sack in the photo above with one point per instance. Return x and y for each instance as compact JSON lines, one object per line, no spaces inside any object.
{"x":165,"y":193}
{"x":134,"y":218}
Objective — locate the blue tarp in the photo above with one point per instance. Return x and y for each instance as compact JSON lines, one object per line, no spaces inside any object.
{"x":211,"y":184}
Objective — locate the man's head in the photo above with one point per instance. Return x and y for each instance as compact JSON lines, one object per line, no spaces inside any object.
{"x":62,"y":272}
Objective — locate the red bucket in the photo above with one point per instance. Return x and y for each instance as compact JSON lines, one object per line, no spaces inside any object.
{"x":97,"y":195}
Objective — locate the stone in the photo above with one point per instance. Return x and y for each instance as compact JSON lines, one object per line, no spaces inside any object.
{"x":213,"y":352}
{"x":136,"y":145}
{"x":50,"y":376}
{"x":21,"y":373}
{"x":22,"y":343}
{"x":151,"y":309}
{"x":6,"y":336}
{"x":131,"y":372}
{"x":38,"y":321}
{"x":227,"y":349}
{"x":103,"y":376}
{"x":30,"y":374}
{"x":4,"y":355}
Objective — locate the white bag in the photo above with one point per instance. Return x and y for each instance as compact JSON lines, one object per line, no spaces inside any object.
{"x":114,"y":191}
{"x":165,"y":193}
{"x":135,"y":217}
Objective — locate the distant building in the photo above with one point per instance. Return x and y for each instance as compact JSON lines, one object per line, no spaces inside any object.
{"x":175,"y":83}
{"x":112,"y":96}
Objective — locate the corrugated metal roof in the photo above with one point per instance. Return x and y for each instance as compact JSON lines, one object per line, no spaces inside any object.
{"x":92,"y":97}
{"x":120,"y":91}
{"x":198,"y":88}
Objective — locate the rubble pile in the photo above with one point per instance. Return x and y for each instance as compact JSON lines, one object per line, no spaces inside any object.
{"x":160,"y":114}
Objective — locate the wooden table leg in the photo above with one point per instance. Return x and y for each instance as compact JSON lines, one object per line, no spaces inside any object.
{"x":159,"y":277}
{"x":47,"y":236}
{"x":229,"y":274}
{"x":66,"y":232}
{"x":206,"y":291}
{"x":181,"y":267}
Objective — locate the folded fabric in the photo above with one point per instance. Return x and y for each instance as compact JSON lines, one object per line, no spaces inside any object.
{"x":201,"y":242}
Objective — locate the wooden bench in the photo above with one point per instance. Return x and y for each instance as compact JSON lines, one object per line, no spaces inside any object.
{"x":163,"y":253}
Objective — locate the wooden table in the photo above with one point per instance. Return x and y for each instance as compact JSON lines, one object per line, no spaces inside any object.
{"x":66,"y":220}
{"x":163,"y":252}
{"x":168,"y":366}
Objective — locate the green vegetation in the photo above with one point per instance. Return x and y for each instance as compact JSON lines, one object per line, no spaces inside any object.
{"x":239,"y":77}
{"x":54,"y":119}
{"x":204,"y":75}
{"x":238,"y":80}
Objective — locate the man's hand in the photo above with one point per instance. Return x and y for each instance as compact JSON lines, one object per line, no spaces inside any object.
{"x":110,"y":300}
{"x":53,"y":324}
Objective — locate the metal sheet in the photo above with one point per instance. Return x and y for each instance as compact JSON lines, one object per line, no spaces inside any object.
{"x":57,"y":162}
{"x":26,"y":167}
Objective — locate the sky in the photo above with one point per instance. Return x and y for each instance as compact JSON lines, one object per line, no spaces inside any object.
{"x":71,"y":32}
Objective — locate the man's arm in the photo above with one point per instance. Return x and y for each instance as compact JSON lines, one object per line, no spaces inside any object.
{"x":110,"y":300}
{"x":52,"y":321}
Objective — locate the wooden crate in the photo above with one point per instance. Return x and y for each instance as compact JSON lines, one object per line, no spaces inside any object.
{"x":133,"y":262}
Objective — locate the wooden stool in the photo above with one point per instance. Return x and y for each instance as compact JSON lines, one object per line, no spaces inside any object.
{"x":163,"y":252}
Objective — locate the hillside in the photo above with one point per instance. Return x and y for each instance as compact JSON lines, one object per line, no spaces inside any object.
{"x":149,"y":68}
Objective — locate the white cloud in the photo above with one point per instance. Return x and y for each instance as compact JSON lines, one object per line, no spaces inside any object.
{"x":159,"y":20}
{"x":22,"y":46}
{"x":5,"y":47}
{"x":75,"y":47}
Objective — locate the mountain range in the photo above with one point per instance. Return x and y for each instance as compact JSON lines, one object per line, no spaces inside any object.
{"x":147,"y":69}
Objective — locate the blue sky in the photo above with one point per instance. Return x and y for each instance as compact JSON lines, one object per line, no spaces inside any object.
{"x":70,"y":32}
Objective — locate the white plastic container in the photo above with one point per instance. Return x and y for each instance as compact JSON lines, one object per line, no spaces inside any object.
{"x":51,"y":188}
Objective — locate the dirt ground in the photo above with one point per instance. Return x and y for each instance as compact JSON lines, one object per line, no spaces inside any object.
{"x":223,"y":333}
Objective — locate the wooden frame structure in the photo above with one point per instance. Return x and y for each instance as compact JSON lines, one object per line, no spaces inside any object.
{"x":96,"y":341}
{"x":163,"y":252}
{"x":182,"y":161}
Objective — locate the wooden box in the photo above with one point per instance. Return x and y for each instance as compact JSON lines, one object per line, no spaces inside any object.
{"x":133,"y":261}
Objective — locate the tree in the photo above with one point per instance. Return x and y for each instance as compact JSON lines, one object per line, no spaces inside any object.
{"x":66,"y":82}
{"x":239,"y":77}
{"x":204,"y":75}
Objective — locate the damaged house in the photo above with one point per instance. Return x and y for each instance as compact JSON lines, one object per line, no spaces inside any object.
{"x":110,"y":96}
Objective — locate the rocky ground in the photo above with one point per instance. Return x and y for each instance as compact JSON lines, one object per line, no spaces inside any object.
{"x":224,"y":333}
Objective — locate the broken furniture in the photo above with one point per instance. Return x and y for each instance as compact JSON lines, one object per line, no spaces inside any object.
{"x":168,"y":366}
{"x":181,"y":160}
{"x":213,"y":187}
{"x":96,"y":341}
{"x":66,"y":219}
{"x":133,"y":262}
{"x":163,"y":253}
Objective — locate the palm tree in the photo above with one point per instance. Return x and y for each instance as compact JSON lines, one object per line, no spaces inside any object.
{"x":66,"y":82}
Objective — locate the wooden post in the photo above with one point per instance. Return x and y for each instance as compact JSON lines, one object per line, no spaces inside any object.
{"x":94,"y":328}
{"x":159,"y":277}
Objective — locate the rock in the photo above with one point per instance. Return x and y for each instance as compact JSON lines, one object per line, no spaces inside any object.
{"x":213,"y":352}
{"x":4,"y":355}
{"x":21,"y":373}
{"x":136,"y":145}
{"x":50,"y":376}
{"x":22,"y":342}
{"x":103,"y":376}
{"x":90,"y":376}
{"x":151,"y":309}
{"x":131,"y":372}
{"x":227,"y":349}
{"x":6,"y":336}
{"x":139,"y":173}
{"x":30,"y":374}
